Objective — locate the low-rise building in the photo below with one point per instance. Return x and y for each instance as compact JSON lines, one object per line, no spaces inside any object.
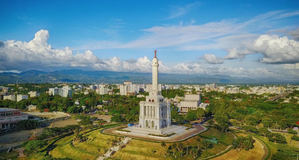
{"x":31,"y":108}
{"x":33,"y":94}
{"x":190,"y":102}
{"x":9,"y":97}
{"x":21,"y":97}
{"x":10,"y":117}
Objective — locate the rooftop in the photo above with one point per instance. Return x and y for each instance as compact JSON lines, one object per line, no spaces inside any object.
{"x":7,"y":109}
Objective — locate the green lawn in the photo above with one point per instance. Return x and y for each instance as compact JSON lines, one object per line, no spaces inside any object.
{"x":274,"y":147}
{"x":141,"y":150}
{"x":95,"y":145}
{"x":144,"y":150}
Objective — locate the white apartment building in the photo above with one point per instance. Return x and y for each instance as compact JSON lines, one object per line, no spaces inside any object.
{"x":102,"y":89}
{"x":128,"y":88}
{"x":54,"y":91}
{"x":65,"y":91}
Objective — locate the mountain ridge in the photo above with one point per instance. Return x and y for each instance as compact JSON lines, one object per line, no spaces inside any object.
{"x":90,"y":76}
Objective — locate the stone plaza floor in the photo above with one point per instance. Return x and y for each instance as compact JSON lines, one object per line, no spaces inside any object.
{"x":179,"y":133}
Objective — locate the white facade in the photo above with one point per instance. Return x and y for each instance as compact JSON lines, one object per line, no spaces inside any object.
{"x":190,"y":102}
{"x":9,"y":97}
{"x":53,"y":91}
{"x":154,"y":113}
{"x":21,"y":97}
{"x":33,"y":94}
{"x":128,"y":88}
{"x":102,"y":89}
{"x":65,"y":91}
{"x":148,"y":87}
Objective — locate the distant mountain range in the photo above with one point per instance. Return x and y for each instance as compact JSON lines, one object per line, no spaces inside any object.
{"x":80,"y":76}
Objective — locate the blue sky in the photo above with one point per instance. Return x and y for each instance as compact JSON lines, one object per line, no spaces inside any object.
{"x":197,"y":37}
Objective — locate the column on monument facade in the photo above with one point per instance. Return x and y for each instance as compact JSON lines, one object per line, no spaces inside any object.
{"x":151,"y":111}
{"x":146,"y":112}
{"x":154,"y":112}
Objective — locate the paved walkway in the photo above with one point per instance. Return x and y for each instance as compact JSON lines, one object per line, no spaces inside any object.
{"x":114,"y":149}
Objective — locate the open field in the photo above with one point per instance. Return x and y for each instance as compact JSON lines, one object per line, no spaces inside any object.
{"x":95,"y":145}
{"x":49,"y":115}
{"x":63,"y":123}
{"x":142,"y":150}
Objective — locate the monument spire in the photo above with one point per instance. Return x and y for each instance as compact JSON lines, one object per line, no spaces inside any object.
{"x":155,"y":65}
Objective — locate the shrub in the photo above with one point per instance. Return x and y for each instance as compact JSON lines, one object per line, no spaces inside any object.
{"x":34,"y":145}
{"x":243,"y":143}
{"x":296,"y":138}
{"x":291,"y":131}
{"x":276,"y":137}
{"x":250,"y":129}
{"x":28,"y":124}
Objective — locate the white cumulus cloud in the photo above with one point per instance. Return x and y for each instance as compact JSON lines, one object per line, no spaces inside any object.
{"x":212,"y":59}
{"x":273,"y":48}
{"x":277,"y":49}
{"x":38,"y":54}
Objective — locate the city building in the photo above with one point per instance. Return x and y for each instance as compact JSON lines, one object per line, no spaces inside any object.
{"x":10,"y":117}
{"x":190,"y":102}
{"x":31,"y":108}
{"x":9,"y":97}
{"x":102,"y":89}
{"x":149,"y":87}
{"x":53,"y":91}
{"x":33,"y":94}
{"x":65,"y":91}
{"x":128,"y":88}
{"x":21,"y":97}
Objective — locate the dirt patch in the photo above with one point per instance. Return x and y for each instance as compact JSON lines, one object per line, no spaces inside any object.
{"x":104,"y":117}
{"x":63,"y":123}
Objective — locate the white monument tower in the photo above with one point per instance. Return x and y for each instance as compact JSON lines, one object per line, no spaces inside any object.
{"x":154,"y":116}
{"x":154,"y":113}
